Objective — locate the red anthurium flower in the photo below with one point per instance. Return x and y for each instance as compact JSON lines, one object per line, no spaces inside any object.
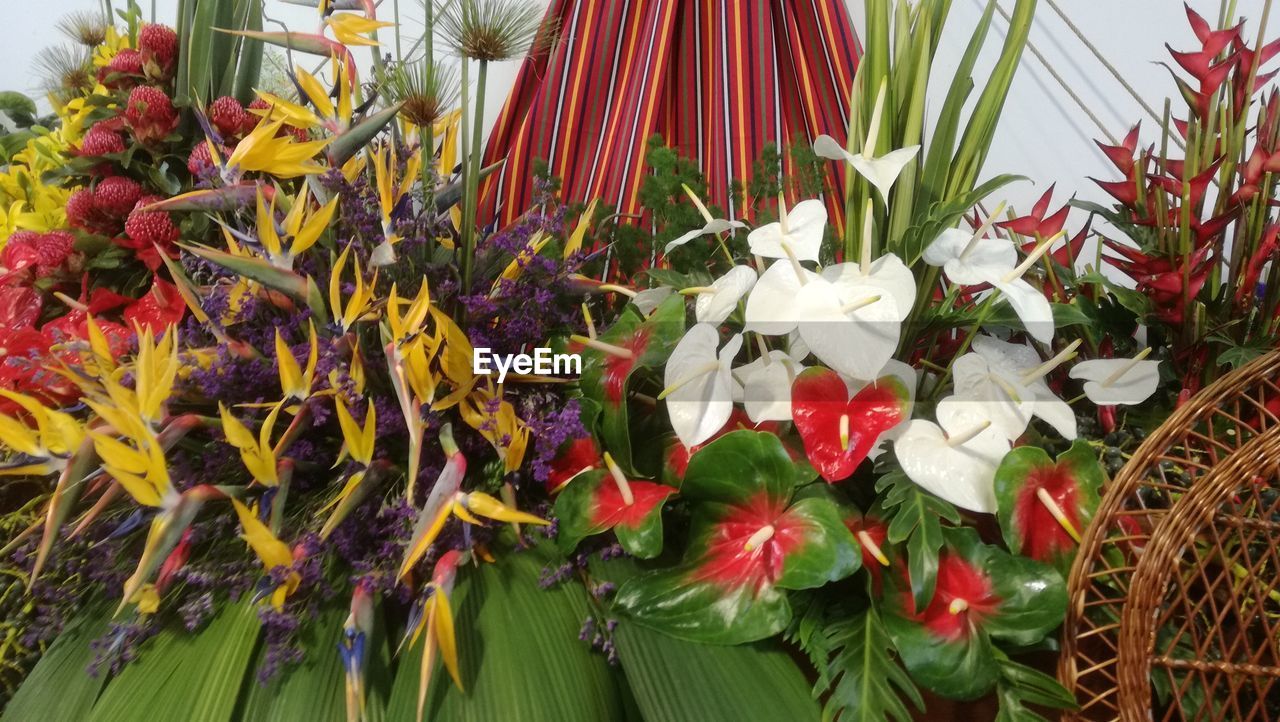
{"x":1035,"y":224}
{"x":677,"y":456}
{"x":158,"y":309}
{"x":577,"y":456}
{"x":872,"y":534}
{"x":751,"y":536}
{"x":838,"y":431}
{"x":962,"y":598}
{"x":1044,"y":504}
{"x":605,"y":499}
{"x":981,"y":592}
{"x":19,"y":308}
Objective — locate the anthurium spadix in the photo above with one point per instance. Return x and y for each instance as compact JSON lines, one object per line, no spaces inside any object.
{"x":1043,"y":504}
{"x":714,"y":226}
{"x":881,"y":171}
{"x":957,"y":460}
{"x":751,"y":536}
{"x":982,"y":593}
{"x":714,"y":303}
{"x":604,"y":499}
{"x":796,"y":235}
{"x":1111,"y":382}
{"x":838,"y":431}
{"x":699,"y":384}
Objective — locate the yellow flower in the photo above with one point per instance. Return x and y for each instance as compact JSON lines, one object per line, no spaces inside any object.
{"x":351,"y":29}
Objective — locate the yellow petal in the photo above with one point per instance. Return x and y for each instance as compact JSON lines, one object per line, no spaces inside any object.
{"x":273,"y":552}
{"x":419,"y":546}
{"x":486,"y":505}
{"x":443,"y":625}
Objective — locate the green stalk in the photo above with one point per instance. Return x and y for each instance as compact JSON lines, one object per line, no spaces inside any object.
{"x":428,"y":132}
{"x":463,"y":156}
{"x":473,"y":176}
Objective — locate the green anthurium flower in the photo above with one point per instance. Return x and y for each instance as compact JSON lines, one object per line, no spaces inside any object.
{"x":751,"y":538}
{"x":633,"y":342}
{"x":599,"y":500}
{"x":982,"y":593}
{"x":1044,"y":504}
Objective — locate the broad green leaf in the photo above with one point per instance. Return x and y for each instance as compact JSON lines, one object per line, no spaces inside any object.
{"x":200,"y":673}
{"x":678,"y":681}
{"x":60,"y":687}
{"x":518,"y":650}
{"x":916,"y":519}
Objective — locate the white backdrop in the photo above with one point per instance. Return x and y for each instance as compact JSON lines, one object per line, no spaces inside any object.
{"x":1043,"y":134}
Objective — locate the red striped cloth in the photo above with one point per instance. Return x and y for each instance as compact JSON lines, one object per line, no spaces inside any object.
{"x":718,"y":79}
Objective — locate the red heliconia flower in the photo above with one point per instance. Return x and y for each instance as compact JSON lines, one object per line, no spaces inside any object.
{"x":229,"y":117}
{"x":158,"y":50}
{"x":150,"y":114}
{"x":1196,"y":186}
{"x":1125,"y":191}
{"x":1122,"y":156}
{"x":1266,"y":251}
{"x":116,"y":196}
{"x":962,"y":599}
{"x":1035,"y":224}
{"x":577,"y":456}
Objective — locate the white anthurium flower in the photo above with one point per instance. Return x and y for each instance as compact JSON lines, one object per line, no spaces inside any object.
{"x":1019,"y":365}
{"x":796,"y":347}
{"x":714,"y":226}
{"x":1032,"y":308}
{"x":959,"y":463}
{"x":699,"y":384}
{"x":969,"y":259}
{"x":1109,"y":382}
{"x":852,"y":329}
{"x":909,"y":378}
{"x":649,"y":299}
{"x":1009,"y":401}
{"x":766,"y":386}
{"x":715,"y":302}
{"x":771,"y":307}
{"x":886,"y":275}
{"x":796,"y":235}
{"x":881,"y":171}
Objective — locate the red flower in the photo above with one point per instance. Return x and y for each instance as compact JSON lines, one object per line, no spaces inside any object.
{"x":160,"y":308}
{"x":734,"y":559}
{"x":1035,"y":224}
{"x":229,"y":117}
{"x":101,"y":141}
{"x":962,"y":599}
{"x":576,"y":457}
{"x":116,"y":196}
{"x":150,"y":114}
{"x":158,"y":50}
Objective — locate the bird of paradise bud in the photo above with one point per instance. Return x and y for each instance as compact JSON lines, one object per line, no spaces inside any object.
{"x":435,"y":617}
{"x":353,"y":648}
{"x":447,"y":499}
{"x":361,"y":299}
{"x":300,"y":227}
{"x":166,"y":531}
{"x":270,"y":550}
{"x":390,"y":190}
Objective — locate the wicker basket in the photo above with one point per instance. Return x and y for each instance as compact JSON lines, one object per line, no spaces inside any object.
{"x":1174,"y":608}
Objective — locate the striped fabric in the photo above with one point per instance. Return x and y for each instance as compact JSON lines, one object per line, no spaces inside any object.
{"x":718,"y":79}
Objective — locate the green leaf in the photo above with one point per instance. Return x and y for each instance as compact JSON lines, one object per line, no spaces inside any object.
{"x":60,"y":687}
{"x":739,"y":465}
{"x":1024,"y":684}
{"x":916,"y":518}
{"x":1064,"y":315}
{"x":518,"y":651}
{"x":353,"y":139}
{"x":870,"y":685}
{"x":945,"y":214}
{"x":199,"y":673}
{"x":678,"y":681}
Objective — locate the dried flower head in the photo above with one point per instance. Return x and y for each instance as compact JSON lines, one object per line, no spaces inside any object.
{"x":427,"y":93}
{"x":64,"y":72}
{"x":86,"y":27}
{"x":492,"y":29}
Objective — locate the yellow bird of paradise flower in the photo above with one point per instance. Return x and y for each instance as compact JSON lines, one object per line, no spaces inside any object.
{"x":270,"y":550}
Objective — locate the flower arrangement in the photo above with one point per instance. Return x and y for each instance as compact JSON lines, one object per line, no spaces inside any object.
{"x":256,"y":472}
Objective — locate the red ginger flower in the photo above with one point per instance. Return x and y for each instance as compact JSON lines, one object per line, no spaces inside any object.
{"x":150,"y":114}
{"x":1035,"y":223}
{"x":158,"y":48}
{"x":117,"y":195}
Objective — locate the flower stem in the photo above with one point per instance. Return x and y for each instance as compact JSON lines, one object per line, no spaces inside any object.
{"x":473,"y":179}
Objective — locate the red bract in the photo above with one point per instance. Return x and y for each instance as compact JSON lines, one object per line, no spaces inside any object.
{"x":962,"y":599}
{"x":731,"y":562}
{"x":1035,"y":224}
{"x":840,"y":432}
{"x":576,"y":457}
{"x":1122,"y":156}
{"x":618,"y":368}
{"x":150,"y":114}
{"x":160,"y":308}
